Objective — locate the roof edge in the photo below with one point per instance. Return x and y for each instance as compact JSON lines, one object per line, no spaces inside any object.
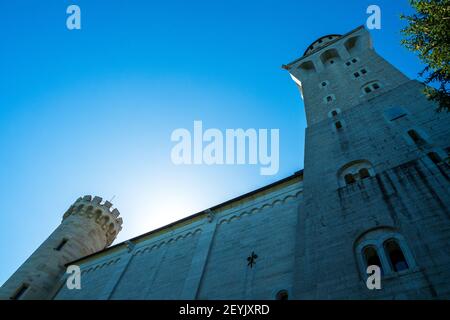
{"x":193,"y":216}
{"x":287,"y":66}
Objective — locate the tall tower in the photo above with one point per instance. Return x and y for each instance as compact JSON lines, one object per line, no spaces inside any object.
{"x":88,"y":226}
{"x":376,"y":177}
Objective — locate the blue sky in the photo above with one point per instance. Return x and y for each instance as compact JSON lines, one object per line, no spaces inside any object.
{"x":91,"y":111}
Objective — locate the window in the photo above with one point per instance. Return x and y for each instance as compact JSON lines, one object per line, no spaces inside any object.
{"x":415,"y":136}
{"x":334,"y":113}
{"x":395,"y":254}
{"x":19,"y":293}
{"x":349,"y":178}
{"x":61,"y":245}
{"x":364,"y":173}
{"x":371,"y":257}
{"x":363,"y":71}
{"x":338,"y":125}
{"x":349,"y":62}
{"x":384,"y":247}
{"x":324,"y":83}
{"x":356,"y":74}
{"x":355,"y":171}
{"x":330,"y":98}
{"x":369,"y":87}
{"x":434,"y":157}
{"x":282,"y":295}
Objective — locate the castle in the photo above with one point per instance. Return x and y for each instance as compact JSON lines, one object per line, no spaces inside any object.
{"x":374,"y":191}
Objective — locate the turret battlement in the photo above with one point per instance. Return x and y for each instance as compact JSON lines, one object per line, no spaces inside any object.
{"x":101,"y":211}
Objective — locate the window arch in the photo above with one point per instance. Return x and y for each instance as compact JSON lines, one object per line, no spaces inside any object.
{"x":384,"y":247}
{"x":329,"y":57}
{"x":355,"y":171}
{"x":371,"y":87}
{"x":307,"y":66}
{"x":352,"y":44}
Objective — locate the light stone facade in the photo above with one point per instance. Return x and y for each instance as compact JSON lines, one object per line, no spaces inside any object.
{"x":376,"y":177}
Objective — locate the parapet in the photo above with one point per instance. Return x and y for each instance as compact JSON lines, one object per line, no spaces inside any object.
{"x":100,"y":211}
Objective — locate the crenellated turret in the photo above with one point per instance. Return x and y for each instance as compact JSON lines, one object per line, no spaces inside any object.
{"x":88,"y":226}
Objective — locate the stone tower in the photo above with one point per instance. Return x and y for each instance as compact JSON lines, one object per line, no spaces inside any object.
{"x":376,"y":185}
{"x":87,"y":227}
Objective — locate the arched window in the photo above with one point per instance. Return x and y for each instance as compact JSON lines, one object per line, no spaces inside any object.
{"x":364,"y":173}
{"x":355,"y":171}
{"x":384,"y":247}
{"x":371,"y":257}
{"x":395,"y":254}
{"x":349,"y":178}
{"x":282,"y":295}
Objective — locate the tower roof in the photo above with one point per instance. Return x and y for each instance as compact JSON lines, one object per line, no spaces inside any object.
{"x":319,"y":44}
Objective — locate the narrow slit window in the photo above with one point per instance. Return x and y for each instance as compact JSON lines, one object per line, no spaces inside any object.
{"x":376,"y":86}
{"x":434,"y":157}
{"x":61,"y":245}
{"x":415,"y":136}
{"x":19,"y":293}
